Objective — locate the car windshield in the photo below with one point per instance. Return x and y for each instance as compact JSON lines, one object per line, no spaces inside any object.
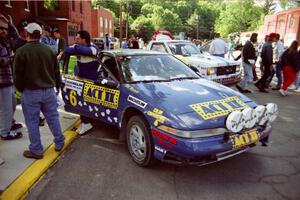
{"x":183,"y":49}
{"x":148,"y":68}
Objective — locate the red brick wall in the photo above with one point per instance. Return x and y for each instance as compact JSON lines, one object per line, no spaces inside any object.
{"x":98,"y":28}
{"x":286,"y":23}
{"x":17,"y":10}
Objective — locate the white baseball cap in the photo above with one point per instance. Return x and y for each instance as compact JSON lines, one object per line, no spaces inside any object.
{"x":33,"y":27}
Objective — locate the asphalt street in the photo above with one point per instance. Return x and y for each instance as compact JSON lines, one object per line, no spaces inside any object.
{"x":98,"y":166}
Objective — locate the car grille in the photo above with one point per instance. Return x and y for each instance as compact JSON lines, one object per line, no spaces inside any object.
{"x":226,"y":70}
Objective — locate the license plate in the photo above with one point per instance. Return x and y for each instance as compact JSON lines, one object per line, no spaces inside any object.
{"x":244,"y":139}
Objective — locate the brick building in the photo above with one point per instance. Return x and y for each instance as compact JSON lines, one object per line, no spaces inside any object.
{"x":286,"y":23}
{"x":67,"y":16}
{"x":103,"y":22}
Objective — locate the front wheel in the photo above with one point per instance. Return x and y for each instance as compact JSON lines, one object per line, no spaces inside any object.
{"x":139,"y":141}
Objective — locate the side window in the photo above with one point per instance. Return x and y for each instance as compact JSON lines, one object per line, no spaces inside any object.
{"x":111,"y":65}
{"x":159,"y":47}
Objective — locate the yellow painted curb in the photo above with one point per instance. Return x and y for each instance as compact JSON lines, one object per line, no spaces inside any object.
{"x":31,"y":175}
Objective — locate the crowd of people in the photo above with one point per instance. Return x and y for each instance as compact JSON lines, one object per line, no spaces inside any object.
{"x":30,"y":59}
{"x":275,"y":60}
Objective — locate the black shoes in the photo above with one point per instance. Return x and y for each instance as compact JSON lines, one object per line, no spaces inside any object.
{"x":42,"y":121}
{"x":30,"y":154}
{"x":242,"y":90}
{"x":263,"y":90}
{"x":16,"y":126}
{"x":12,"y":135}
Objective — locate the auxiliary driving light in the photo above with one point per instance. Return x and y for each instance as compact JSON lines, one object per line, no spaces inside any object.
{"x":234,"y":121}
{"x":272,"y":110}
{"x":250,"y":117}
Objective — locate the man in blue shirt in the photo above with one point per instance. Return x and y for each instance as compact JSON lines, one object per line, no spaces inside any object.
{"x":48,"y":40}
{"x":87,"y":67}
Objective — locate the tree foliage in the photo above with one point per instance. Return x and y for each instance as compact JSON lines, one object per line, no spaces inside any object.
{"x":239,"y":17}
{"x":208,"y":16}
{"x":144,"y":27}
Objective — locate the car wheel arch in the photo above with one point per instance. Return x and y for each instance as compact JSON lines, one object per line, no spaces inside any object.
{"x":128,"y":113}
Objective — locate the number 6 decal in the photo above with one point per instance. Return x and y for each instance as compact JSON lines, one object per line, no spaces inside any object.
{"x":73,"y":99}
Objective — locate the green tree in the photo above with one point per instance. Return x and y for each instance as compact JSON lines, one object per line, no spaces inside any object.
{"x":287,"y":4}
{"x":238,"y":17}
{"x":144,"y":27}
{"x":269,"y":7}
{"x":203,"y":19}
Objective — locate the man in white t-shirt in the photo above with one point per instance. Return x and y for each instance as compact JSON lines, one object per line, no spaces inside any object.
{"x":218,"y":47}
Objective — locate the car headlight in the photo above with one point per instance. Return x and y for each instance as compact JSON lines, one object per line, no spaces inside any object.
{"x":272,"y":110}
{"x":193,"y":134}
{"x":211,"y":70}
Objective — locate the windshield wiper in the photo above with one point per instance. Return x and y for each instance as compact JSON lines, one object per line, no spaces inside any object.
{"x":184,"y":78}
{"x":148,"y":81}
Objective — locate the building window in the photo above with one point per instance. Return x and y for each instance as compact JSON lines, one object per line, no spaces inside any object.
{"x":292,"y":22}
{"x":81,"y":6}
{"x":110,"y":24}
{"x":72,"y":30}
{"x":281,"y":24}
{"x":8,"y":4}
{"x":26,"y":2}
{"x":101,"y":22}
{"x":105,"y":23}
{"x":73,"y":5}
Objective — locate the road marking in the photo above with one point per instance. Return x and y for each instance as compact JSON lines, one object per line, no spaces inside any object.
{"x":20,"y":187}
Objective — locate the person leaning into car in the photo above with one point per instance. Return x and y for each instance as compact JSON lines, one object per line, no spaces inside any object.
{"x":249,"y":58}
{"x":36,"y":73}
{"x":86,"y":69}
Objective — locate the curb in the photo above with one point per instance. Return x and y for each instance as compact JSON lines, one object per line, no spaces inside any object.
{"x":31,"y":175}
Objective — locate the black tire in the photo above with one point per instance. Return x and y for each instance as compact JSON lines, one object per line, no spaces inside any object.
{"x":147,"y":159}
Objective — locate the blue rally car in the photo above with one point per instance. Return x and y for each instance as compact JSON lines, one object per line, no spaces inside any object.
{"x":164,"y":109}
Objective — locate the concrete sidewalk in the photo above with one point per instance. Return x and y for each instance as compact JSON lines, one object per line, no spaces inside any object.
{"x":12,"y":151}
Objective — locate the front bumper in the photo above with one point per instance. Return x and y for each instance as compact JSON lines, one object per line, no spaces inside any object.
{"x":201,"y":151}
{"x":227,"y":80}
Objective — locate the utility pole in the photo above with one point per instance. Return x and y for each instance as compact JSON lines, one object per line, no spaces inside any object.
{"x":127,"y":6}
{"x":120,"y":24}
{"x":197,"y":27}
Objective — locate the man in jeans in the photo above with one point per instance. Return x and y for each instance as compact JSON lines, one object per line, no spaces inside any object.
{"x":249,"y":58}
{"x":36,"y":73}
{"x":8,"y":127}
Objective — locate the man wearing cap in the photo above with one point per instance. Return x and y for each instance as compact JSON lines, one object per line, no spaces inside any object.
{"x":47,"y":39}
{"x":267,"y":62}
{"x":8,"y":127}
{"x":36,"y":73}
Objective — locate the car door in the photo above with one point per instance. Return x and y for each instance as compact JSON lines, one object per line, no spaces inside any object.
{"x":97,"y":99}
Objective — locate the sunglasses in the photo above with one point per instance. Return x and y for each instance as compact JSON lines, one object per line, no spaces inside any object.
{"x":3,"y":28}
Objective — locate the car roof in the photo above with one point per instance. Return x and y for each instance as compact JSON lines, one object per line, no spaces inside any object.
{"x":132,"y":52}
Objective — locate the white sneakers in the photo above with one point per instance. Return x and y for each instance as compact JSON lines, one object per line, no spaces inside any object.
{"x":282,"y":92}
{"x":83,"y":128}
{"x":297,"y":90}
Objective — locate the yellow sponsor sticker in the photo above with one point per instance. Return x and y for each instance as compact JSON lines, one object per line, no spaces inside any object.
{"x":157,"y":115}
{"x":213,"y":109}
{"x":242,"y":140}
{"x":101,"y":95}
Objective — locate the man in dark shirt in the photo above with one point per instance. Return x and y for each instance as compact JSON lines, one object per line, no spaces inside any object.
{"x":249,"y":58}
{"x":267,"y":62}
{"x":36,"y":73}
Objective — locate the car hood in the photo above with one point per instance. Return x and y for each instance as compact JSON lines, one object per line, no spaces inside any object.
{"x":209,"y":61}
{"x":176,"y":99}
